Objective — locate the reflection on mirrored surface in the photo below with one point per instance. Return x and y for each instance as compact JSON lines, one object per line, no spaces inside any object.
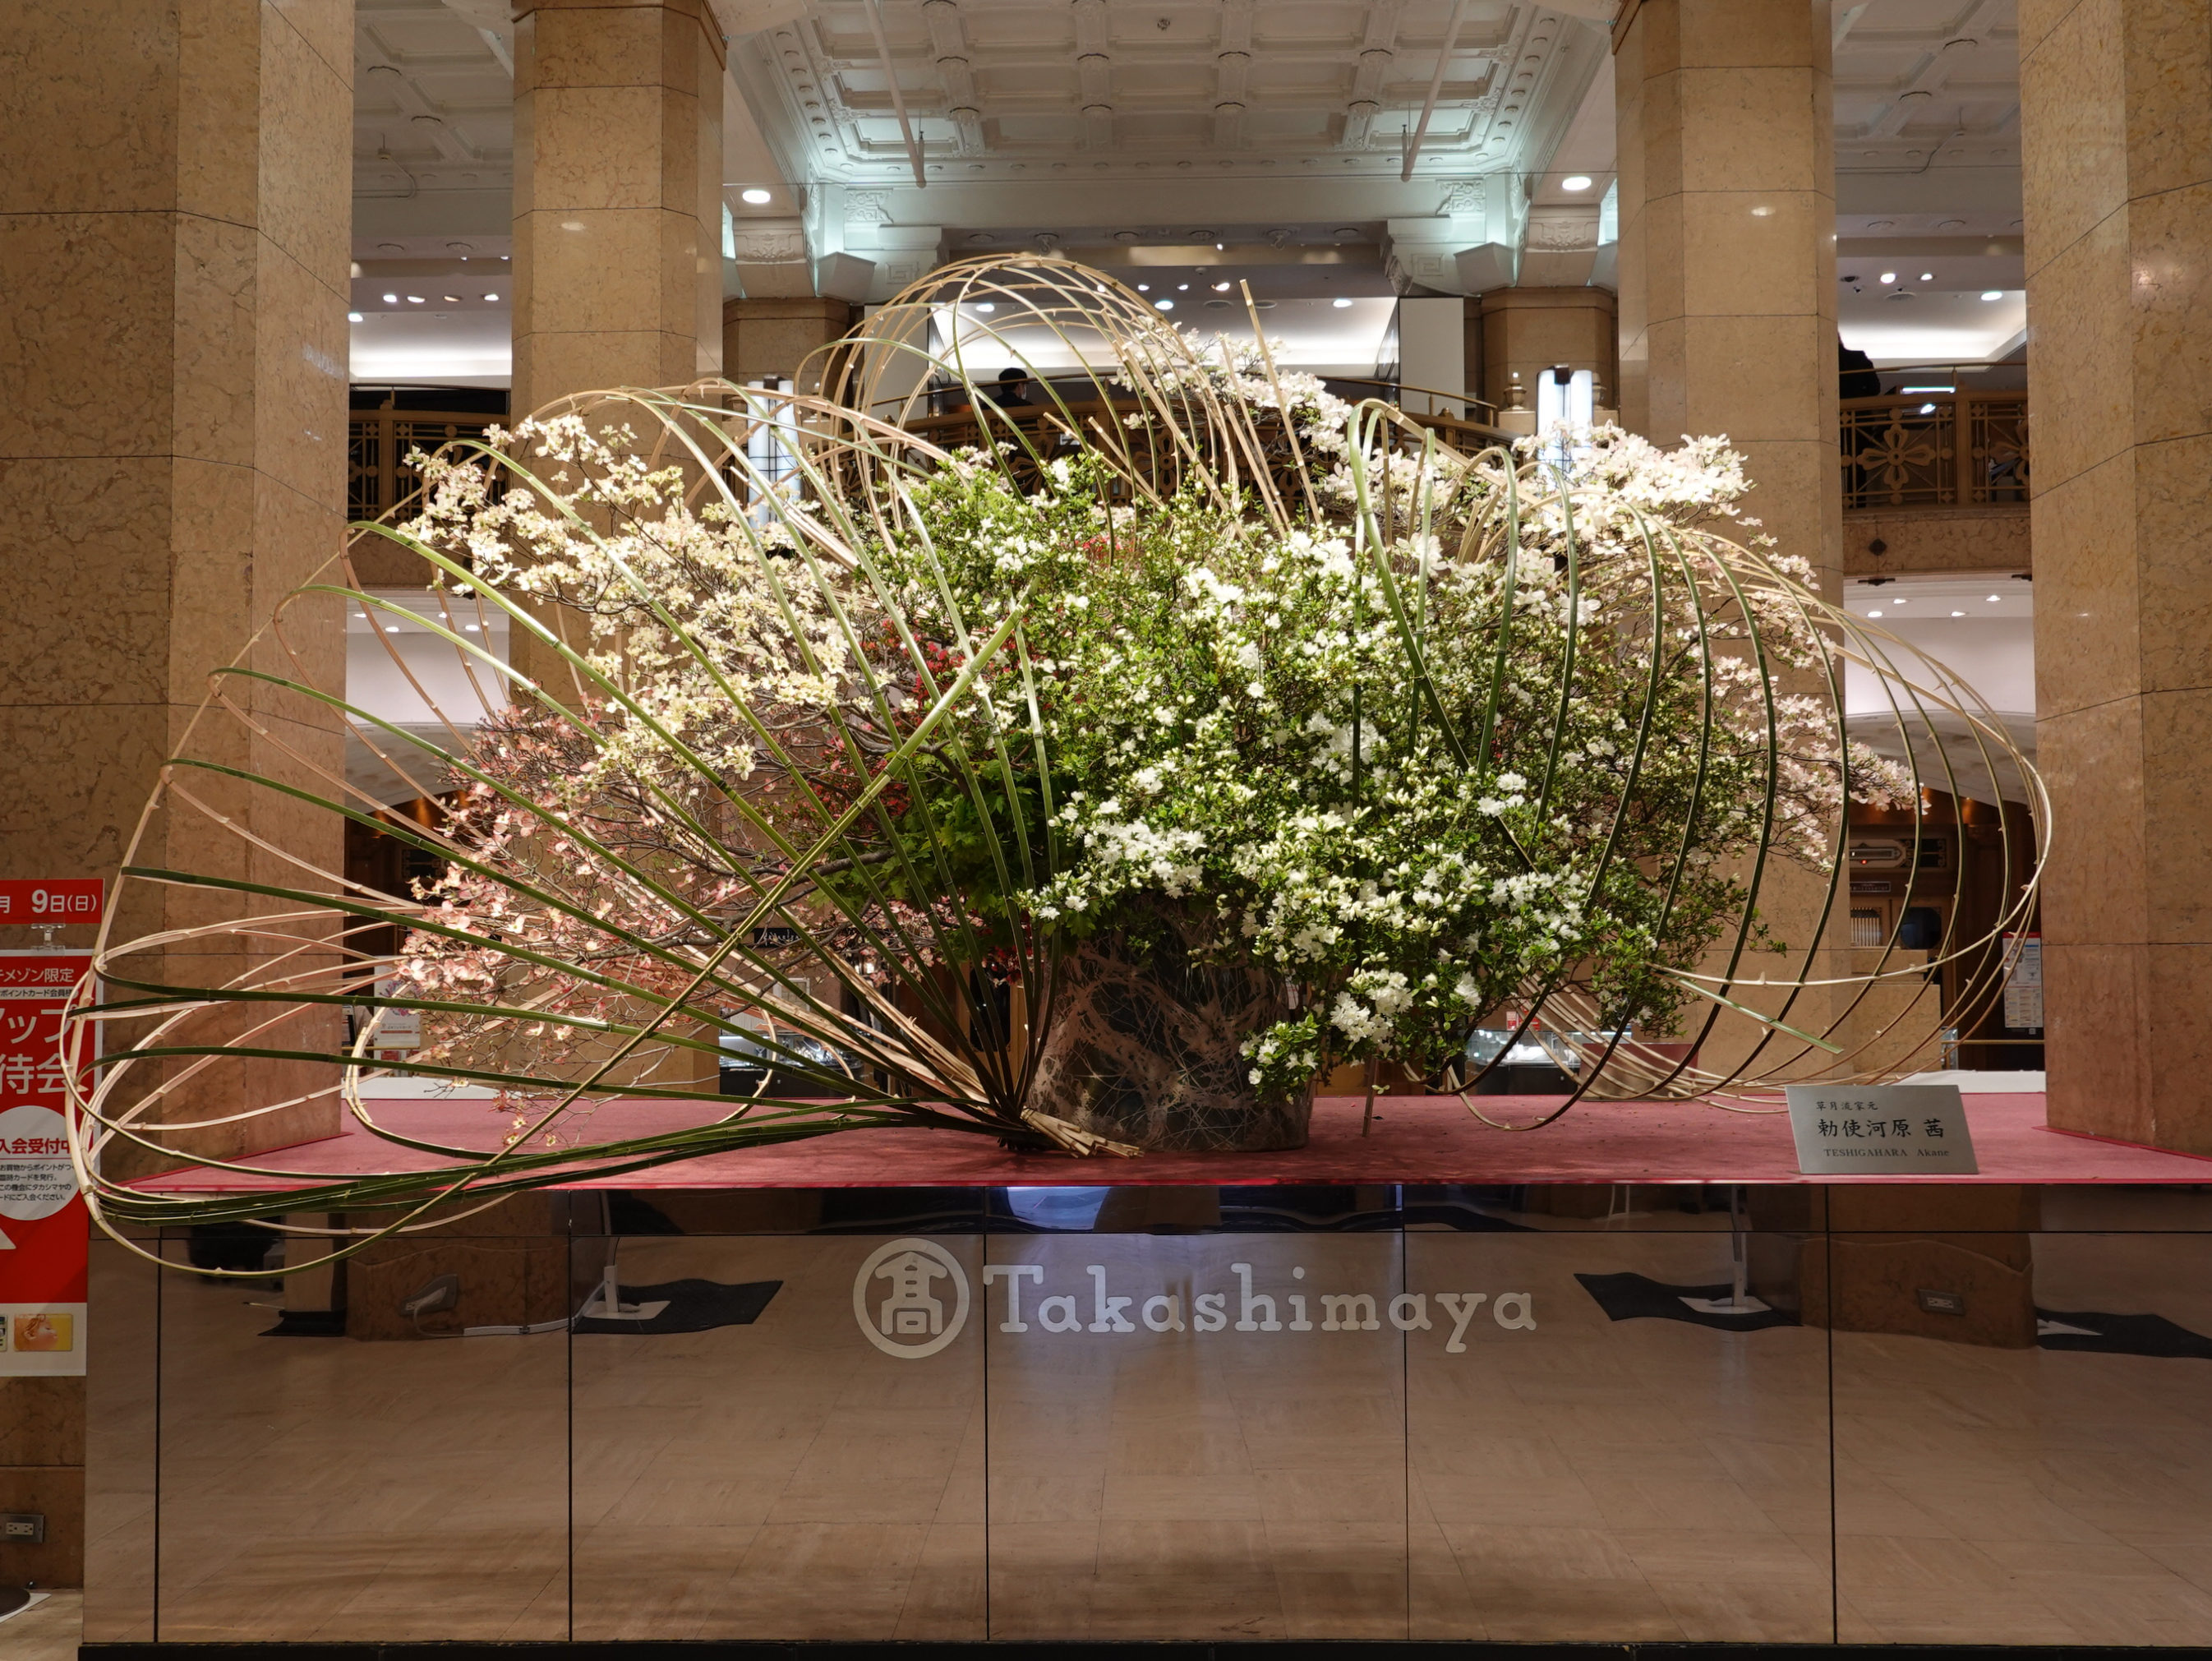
{"x":778,"y":1436}
{"x":1196,"y":1436}
{"x":119,"y":1446}
{"x":406,"y":1482}
{"x":2037,"y":1481}
{"x":1616,"y":1442}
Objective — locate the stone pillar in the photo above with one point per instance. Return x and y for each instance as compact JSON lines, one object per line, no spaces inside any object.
{"x":773,"y":337}
{"x":1728,"y":326}
{"x":2117,"y":156}
{"x":1727,"y":268}
{"x":1529,"y":331}
{"x":176,"y":182}
{"x":617,"y":196}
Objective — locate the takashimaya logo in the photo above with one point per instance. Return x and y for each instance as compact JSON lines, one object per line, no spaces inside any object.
{"x":910,"y":1298}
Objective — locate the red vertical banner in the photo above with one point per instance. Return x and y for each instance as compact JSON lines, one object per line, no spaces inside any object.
{"x":43,"y":1222}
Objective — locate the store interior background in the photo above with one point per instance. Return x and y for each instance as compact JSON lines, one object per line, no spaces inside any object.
{"x":397,"y":221}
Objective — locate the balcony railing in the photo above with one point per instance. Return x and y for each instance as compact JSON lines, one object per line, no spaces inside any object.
{"x":1930,"y":449}
{"x":379,"y":442}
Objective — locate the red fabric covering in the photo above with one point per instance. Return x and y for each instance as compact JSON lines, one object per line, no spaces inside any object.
{"x":1416,"y":1138}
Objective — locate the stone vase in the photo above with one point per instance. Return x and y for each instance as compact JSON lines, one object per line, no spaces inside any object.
{"x":1145,"y":1046}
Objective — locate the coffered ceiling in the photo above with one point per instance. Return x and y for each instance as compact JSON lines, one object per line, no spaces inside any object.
{"x":1008,"y":88}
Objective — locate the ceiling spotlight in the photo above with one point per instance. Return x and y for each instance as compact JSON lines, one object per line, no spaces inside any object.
{"x":1164,"y":305}
{"x":1219,"y":247}
{"x":1875,"y":613}
{"x":1928,"y":408}
{"x":1144,"y":288}
{"x":757,"y":196}
{"x":1927,"y":276}
{"x":414,"y":299}
{"x":1221,"y":287}
{"x":491,"y":296}
{"x":391,"y":628}
{"x":1575,"y":181}
{"x":353,"y":317}
{"x":987,"y":306}
{"x":1182,"y":288}
{"x":391,"y":300}
{"x":1993,"y":600}
{"x":1957,"y":614}
{"x":1993,"y":293}
{"x":1339,"y":302}
{"x":469,"y":628}
{"x":1887,"y":277}
{"x":452,"y":299}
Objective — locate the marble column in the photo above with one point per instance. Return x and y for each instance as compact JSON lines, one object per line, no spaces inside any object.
{"x":1727,"y":269}
{"x":176,"y":182}
{"x":2115,"y":128}
{"x":1728,"y":326}
{"x":617,"y":196}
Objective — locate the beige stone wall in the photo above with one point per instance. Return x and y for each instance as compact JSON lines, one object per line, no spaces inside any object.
{"x":1926,"y":541}
{"x":2115,"y":102}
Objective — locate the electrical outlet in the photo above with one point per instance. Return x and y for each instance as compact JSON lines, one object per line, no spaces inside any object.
{"x":1940,"y":1303}
{"x":23,"y":1528}
{"x":438,"y":1292}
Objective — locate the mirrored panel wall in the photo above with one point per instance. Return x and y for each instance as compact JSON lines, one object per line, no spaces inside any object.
{"x":1594,"y":1413}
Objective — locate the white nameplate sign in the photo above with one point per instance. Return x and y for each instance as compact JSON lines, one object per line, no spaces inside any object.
{"x":1880,"y":1130}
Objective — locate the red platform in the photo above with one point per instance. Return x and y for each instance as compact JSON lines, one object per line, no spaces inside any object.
{"x":1415,"y":1139}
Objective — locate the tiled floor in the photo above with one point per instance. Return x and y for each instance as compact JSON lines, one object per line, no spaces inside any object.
{"x":1579,"y":1478}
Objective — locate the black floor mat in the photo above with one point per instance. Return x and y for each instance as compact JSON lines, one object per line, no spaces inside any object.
{"x":1630,"y":1297}
{"x":693,"y":1306}
{"x":2124,"y":1334}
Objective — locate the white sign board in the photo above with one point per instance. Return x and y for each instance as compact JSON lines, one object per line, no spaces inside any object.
{"x":2023,"y":992}
{"x":1880,"y":1130}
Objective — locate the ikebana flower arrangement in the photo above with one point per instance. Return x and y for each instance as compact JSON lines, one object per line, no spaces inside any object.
{"x":1096,"y":774}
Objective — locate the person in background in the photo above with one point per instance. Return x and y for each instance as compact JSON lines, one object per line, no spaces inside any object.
{"x":1857,"y":378}
{"x":1013,"y":388}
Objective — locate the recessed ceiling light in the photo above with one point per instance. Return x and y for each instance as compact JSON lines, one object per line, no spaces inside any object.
{"x":1182,"y":288}
{"x":469,"y":628}
{"x":1927,"y":276}
{"x":391,"y":300}
{"x":1219,"y":247}
{"x":391,"y":628}
{"x":987,"y":306}
{"x":452,"y":299}
{"x":1993,"y":293}
{"x":1928,"y":408}
{"x":1957,"y":614}
{"x":414,"y":299}
{"x":1993,"y":600}
{"x":1164,"y":305}
{"x":353,"y":317}
{"x":1339,"y":302}
{"x":1221,"y":287}
{"x":491,"y":296}
{"x":1144,"y":288}
{"x":1875,"y":612}
{"x":1575,"y":181}
{"x":1887,"y":277}
{"x":757,"y":196}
